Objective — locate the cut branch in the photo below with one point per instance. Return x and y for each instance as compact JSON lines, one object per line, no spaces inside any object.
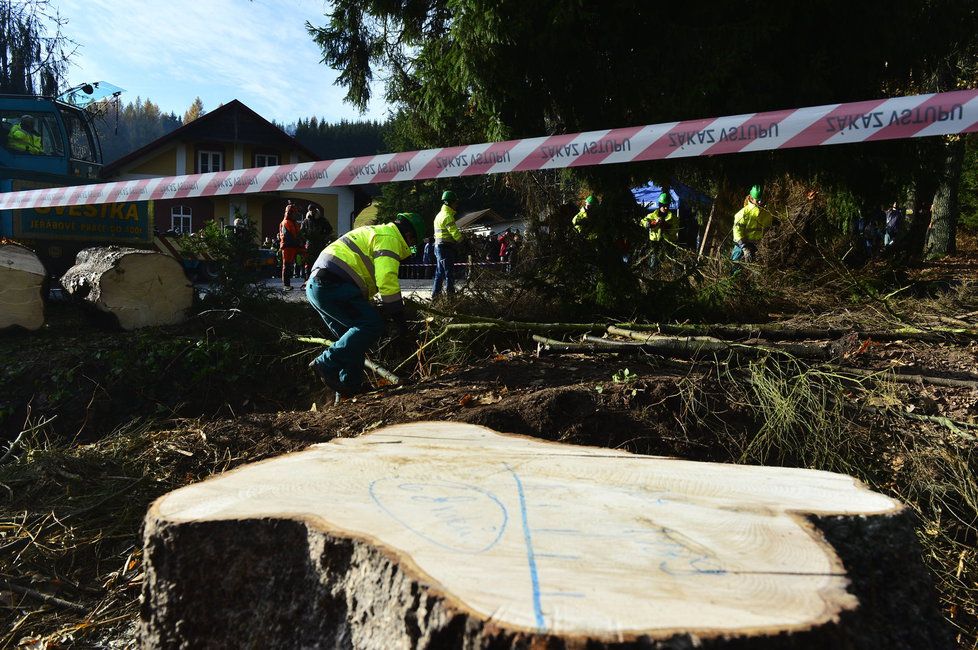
{"x":555,"y":346}
{"x":773,"y":332}
{"x":367,"y":363}
{"x":795,"y":349}
{"x":43,"y":597}
{"x":509,"y":324}
{"x":887,"y":375}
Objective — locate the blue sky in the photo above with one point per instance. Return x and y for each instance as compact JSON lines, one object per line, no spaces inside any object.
{"x":172,"y":51}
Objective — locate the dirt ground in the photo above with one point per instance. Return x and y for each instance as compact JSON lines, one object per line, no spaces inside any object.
{"x":140,"y":414}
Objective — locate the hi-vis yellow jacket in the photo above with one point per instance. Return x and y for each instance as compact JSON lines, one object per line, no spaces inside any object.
{"x":750,"y":223}
{"x":20,"y":140}
{"x":580,"y":221}
{"x":662,"y":226}
{"x":446,"y":232}
{"x":370,"y":257}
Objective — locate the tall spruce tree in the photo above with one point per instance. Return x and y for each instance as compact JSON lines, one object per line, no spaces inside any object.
{"x":34,"y":52}
{"x":196,"y":110}
{"x":466,"y":71}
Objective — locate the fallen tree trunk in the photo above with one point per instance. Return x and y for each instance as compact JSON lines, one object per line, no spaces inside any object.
{"x":774,"y":332}
{"x":554,"y":345}
{"x":22,"y":284}
{"x":137,"y":288}
{"x":888,"y":375}
{"x":446,"y":535}
{"x":699,"y":347}
{"x":486,"y":322}
{"x":805,"y":351}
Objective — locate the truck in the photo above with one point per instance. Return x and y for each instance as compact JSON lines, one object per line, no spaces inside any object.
{"x":69,"y":153}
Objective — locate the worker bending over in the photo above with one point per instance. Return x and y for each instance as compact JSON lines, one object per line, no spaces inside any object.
{"x":346,"y":275}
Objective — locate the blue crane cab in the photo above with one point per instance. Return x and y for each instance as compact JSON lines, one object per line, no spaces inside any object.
{"x":69,"y":152}
{"x":51,"y":142}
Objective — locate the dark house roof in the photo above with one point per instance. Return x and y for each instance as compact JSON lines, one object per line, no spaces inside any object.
{"x":232,"y":122}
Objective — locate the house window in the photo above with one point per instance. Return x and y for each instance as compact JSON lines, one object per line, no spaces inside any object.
{"x":266,"y":159}
{"x":209,"y":161}
{"x":180,"y":219}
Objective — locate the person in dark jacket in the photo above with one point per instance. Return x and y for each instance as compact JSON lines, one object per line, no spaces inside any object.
{"x":893,"y":225}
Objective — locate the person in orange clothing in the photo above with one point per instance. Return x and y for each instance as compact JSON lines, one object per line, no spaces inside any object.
{"x":290,"y":242}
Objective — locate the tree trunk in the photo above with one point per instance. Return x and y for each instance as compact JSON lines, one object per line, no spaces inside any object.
{"x":22,"y":285}
{"x":944,"y":215}
{"x":698,"y":346}
{"x":137,"y":288}
{"x":445,"y":535}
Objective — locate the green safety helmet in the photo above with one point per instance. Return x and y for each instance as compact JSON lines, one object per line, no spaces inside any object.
{"x":419,"y":225}
{"x":590,"y":200}
{"x":755,"y":192}
{"x":448,"y":196}
{"x":664,"y":199}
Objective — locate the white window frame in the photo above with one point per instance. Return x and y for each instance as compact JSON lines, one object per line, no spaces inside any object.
{"x":181,"y":216}
{"x":266,"y":159}
{"x":209,"y":161}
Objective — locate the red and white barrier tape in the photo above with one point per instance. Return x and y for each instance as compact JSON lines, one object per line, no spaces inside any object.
{"x":884,"y":119}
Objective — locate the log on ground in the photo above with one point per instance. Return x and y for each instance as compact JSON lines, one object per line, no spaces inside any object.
{"x":22,"y":283}
{"x":138,"y":288}
{"x":446,"y":535}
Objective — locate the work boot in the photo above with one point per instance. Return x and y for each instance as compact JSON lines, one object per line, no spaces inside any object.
{"x":329,"y":377}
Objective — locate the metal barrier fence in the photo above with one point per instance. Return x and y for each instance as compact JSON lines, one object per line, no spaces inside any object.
{"x":461,"y":270}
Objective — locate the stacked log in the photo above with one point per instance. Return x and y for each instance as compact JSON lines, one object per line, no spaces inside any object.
{"x":22,"y":284}
{"x":136,"y":288}
{"x":445,"y":535}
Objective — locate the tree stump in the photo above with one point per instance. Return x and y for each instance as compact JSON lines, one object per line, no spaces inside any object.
{"x":22,"y":282}
{"x":447,"y":535}
{"x":137,"y":288}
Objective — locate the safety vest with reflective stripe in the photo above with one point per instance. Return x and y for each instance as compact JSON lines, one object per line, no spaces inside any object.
{"x":583,"y":226}
{"x":288,"y":234}
{"x":579,"y":221}
{"x":662,"y":226}
{"x":20,"y":140}
{"x":750,"y":223}
{"x":370,"y":257}
{"x":446,"y":232}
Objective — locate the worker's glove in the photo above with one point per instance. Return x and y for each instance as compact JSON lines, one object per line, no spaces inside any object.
{"x":401,"y":326}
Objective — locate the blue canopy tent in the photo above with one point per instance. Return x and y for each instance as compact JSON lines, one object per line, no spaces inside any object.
{"x":648,"y":195}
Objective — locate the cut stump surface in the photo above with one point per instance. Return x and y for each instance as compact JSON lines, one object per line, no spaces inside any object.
{"x":425,"y":533}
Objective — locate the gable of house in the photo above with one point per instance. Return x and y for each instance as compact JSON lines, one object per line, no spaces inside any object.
{"x":231,"y":137}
